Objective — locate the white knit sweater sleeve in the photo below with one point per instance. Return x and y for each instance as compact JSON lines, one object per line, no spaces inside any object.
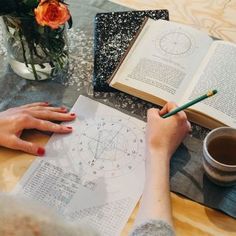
{"x":153,"y":228}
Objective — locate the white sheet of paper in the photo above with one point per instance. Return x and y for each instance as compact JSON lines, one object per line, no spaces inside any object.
{"x":94,"y":175}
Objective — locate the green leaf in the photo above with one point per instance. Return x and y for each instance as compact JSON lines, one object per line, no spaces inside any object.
{"x":28,"y":6}
{"x":31,"y":3}
{"x":7,"y":7}
{"x":70,"y":22}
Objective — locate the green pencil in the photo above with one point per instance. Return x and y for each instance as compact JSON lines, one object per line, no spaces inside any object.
{"x":178,"y":109}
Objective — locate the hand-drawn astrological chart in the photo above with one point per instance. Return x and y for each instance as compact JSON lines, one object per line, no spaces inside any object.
{"x":176,"y":43}
{"x":109,"y":147}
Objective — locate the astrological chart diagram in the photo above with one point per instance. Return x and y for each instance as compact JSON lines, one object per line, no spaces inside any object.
{"x":109,"y":147}
{"x":175,"y":43}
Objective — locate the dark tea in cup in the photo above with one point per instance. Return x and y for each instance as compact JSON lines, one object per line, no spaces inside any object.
{"x":219,"y":156}
{"x":223,"y":149}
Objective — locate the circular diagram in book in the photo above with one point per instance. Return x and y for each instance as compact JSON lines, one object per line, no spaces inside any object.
{"x":109,"y":147}
{"x":176,"y":43}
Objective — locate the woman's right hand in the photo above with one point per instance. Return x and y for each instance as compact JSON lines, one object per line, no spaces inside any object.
{"x":165,"y":135}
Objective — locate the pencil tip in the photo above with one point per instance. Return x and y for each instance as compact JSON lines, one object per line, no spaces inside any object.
{"x":214,"y":91}
{"x":211,"y":93}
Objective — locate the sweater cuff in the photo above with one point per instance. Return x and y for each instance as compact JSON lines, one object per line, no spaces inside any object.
{"x":153,"y":228}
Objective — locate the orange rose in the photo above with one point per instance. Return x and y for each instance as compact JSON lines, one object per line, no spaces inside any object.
{"x":51,"y":13}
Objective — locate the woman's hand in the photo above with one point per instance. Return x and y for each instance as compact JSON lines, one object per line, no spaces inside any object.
{"x":163,"y":138}
{"x":32,"y":116}
{"x":165,"y":135}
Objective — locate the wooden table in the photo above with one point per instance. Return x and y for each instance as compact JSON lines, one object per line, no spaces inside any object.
{"x":218,"y":18}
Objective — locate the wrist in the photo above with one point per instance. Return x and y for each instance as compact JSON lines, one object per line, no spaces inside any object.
{"x":157,"y":165}
{"x":158,"y":155}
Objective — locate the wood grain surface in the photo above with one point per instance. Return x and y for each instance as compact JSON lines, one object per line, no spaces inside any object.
{"x":190,"y":218}
{"x":216,"y":17}
{"x":13,"y":164}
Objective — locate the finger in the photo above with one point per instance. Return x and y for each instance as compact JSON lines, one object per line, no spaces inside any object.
{"x":44,"y":125}
{"x":19,"y":144}
{"x":189,"y":127}
{"x":35,"y":104}
{"x":48,"y":108}
{"x":167,"y":108}
{"x":51,"y":115}
{"x":18,"y":134}
{"x":152,"y":114}
{"x":170,"y":106}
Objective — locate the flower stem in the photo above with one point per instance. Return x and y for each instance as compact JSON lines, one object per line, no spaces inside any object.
{"x":23,"y":49}
{"x":32,"y":65}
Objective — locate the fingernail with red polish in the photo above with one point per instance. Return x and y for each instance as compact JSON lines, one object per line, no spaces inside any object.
{"x":72,"y":114}
{"x":41,"y":151}
{"x":47,"y":103}
{"x":68,"y":127}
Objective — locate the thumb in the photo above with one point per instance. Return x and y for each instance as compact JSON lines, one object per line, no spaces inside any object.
{"x":28,"y":147}
{"x":153,"y":114}
{"x":167,"y":108}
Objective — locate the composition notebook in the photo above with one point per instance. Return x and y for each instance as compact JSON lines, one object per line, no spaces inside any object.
{"x":113,"y":33}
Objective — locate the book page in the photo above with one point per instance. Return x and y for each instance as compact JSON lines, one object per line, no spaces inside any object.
{"x":95,"y":175}
{"x":163,"y":59}
{"x":218,"y":71}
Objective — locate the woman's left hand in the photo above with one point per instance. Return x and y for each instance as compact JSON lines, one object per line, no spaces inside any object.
{"x":31,"y":116}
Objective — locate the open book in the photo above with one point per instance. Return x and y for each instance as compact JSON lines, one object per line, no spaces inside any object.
{"x":168,"y":61}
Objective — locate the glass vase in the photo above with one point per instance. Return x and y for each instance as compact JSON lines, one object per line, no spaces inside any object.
{"x":35,"y":52}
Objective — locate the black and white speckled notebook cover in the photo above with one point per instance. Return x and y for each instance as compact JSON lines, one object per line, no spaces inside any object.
{"x":112,"y":36}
